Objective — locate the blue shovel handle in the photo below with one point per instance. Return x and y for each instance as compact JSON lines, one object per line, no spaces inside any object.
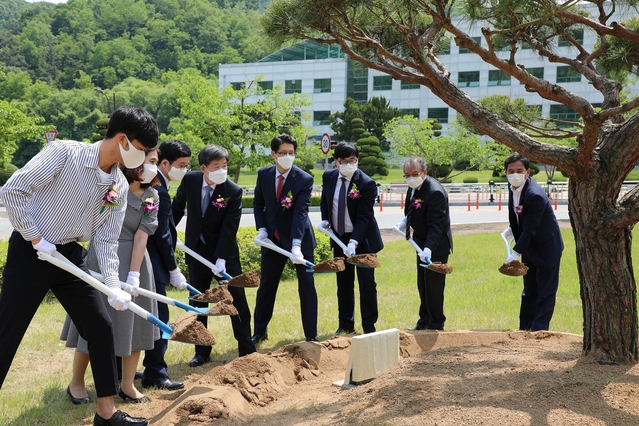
{"x":192,"y":289}
{"x":226,"y":276}
{"x":166,"y":329}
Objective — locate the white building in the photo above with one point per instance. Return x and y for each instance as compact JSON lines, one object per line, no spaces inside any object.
{"x":328,"y":77}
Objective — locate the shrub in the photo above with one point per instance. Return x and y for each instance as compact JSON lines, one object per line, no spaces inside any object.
{"x":470,"y":179}
{"x":6,"y":170}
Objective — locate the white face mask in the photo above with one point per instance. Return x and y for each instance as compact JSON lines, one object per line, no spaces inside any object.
{"x":286,"y":161}
{"x":218,"y":176}
{"x":347,"y":170}
{"x":414,"y":182}
{"x":150,"y":170}
{"x":517,"y":179}
{"x":132,"y":158}
{"x":176,"y":174}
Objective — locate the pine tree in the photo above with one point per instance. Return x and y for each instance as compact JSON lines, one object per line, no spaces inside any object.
{"x":371,"y":159}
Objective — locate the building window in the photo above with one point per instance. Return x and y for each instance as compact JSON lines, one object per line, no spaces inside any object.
{"x":382,"y":82}
{"x":410,"y":111}
{"x":577,"y":34}
{"x":464,"y":50}
{"x":468,"y":79}
{"x":536,"y":72}
{"x":567,"y":75}
{"x":409,"y":86}
{"x":563,"y":113}
{"x":237,"y":85}
{"x":292,"y":86}
{"x":322,"y":85}
{"x":498,"y":78}
{"x":321,"y":118}
{"x":439,"y":114}
{"x":265,"y":85}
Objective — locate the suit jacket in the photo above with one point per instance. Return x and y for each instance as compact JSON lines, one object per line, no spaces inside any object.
{"x":360,"y":208}
{"x":536,"y":230}
{"x":218,"y":226}
{"x":431,"y":221}
{"x":291,"y":223}
{"x":161,"y":245}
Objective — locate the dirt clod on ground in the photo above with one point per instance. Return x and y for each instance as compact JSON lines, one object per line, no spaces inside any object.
{"x":188,"y":329}
{"x":334,"y":265}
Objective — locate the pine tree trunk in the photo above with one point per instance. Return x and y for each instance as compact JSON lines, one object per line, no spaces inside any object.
{"x":604,"y":263}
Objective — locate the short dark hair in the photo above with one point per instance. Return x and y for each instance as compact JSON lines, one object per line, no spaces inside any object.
{"x":416,"y":160}
{"x":173,"y":149}
{"x":156,"y":180}
{"x":210,"y":153}
{"x":516,"y":157}
{"x":135,"y":123}
{"x":132,"y":174}
{"x":345,"y":150}
{"x":277,"y":141}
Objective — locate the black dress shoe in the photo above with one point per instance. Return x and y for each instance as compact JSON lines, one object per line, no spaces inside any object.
{"x":138,"y":375}
{"x":259,"y":338}
{"x":139,"y":400}
{"x":77,"y":401}
{"x":344,"y":331}
{"x":311,"y":339}
{"x":198,"y":360}
{"x":120,"y":418}
{"x":161,"y":383}
{"x":417,"y":328}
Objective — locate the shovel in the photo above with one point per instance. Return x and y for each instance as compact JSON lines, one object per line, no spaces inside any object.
{"x":234,"y":281}
{"x":514,"y":268}
{"x":354,"y":259}
{"x":153,"y":295}
{"x":270,"y":245}
{"x":429,"y":264}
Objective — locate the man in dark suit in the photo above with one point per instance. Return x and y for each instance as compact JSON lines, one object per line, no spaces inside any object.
{"x":427,"y":215}
{"x":213,"y":218}
{"x":173,"y":163}
{"x":534,"y":226}
{"x":348,"y":197}
{"x":280,"y":206}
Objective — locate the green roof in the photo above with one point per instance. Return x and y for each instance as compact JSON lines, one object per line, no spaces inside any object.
{"x":305,"y":50}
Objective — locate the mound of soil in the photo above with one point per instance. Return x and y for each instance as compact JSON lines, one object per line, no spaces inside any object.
{"x":187,"y":329}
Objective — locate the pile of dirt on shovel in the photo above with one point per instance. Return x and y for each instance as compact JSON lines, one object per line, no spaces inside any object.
{"x":215,"y":294}
{"x":187,"y":329}
{"x":334,"y":265}
{"x":442,"y":268}
{"x":247,"y":279}
{"x":225,"y":307}
{"x":514,"y":269}
{"x":366,"y":259}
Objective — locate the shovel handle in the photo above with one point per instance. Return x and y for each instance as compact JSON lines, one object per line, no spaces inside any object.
{"x":413,"y":243}
{"x":270,"y":245}
{"x":200,"y":258}
{"x":508,"y":242}
{"x":63,"y":263}
{"x":333,"y":237}
{"x":153,"y":295}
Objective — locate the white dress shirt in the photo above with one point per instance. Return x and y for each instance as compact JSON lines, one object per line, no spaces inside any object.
{"x":348,"y":224}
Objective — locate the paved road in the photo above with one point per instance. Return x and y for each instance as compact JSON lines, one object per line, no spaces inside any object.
{"x":389,"y":216}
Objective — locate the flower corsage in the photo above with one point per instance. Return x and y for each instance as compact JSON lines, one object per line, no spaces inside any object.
{"x":353,"y":193}
{"x":287,"y":202}
{"x":417,"y":204}
{"x":519,"y":210}
{"x":219,"y":203}
{"x":149,"y":205}
{"x":110,"y":199}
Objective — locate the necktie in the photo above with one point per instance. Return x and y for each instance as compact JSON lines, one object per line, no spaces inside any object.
{"x":409,"y":215}
{"x":341,"y":208}
{"x":278,"y":195}
{"x":206,"y":200}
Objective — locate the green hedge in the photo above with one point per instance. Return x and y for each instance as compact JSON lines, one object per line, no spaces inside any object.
{"x":470,"y":180}
{"x":247,"y":201}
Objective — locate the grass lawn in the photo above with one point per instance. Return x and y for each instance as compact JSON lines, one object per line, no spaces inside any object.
{"x":477,"y":297}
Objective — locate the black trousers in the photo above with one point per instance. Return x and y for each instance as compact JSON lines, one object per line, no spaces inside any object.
{"x":272,"y":267}
{"x":26,"y":282}
{"x":201,"y":276}
{"x":154,"y":364}
{"x":539,"y":295}
{"x":346,"y":292}
{"x":430,"y":285}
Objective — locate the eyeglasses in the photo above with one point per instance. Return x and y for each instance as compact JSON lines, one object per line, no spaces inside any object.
{"x":183,"y":169}
{"x":283,"y":153}
{"x":414,"y":175}
{"x":347,"y":161}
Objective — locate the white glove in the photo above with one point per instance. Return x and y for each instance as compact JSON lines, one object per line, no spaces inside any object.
{"x":513,"y":256}
{"x":177,"y":279}
{"x":120,"y":300}
{"x":401,"y":225}
{"x":262,"y":235}
{"x":297,"y":256}
{"x":219,"y":267}
{"x":133,"y":283}
{"x":325,"y":224}
{"x":350,"y":249}
{"x":508,"y":233}
{"x":424,"y":255}
{"x":45,"y":247}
